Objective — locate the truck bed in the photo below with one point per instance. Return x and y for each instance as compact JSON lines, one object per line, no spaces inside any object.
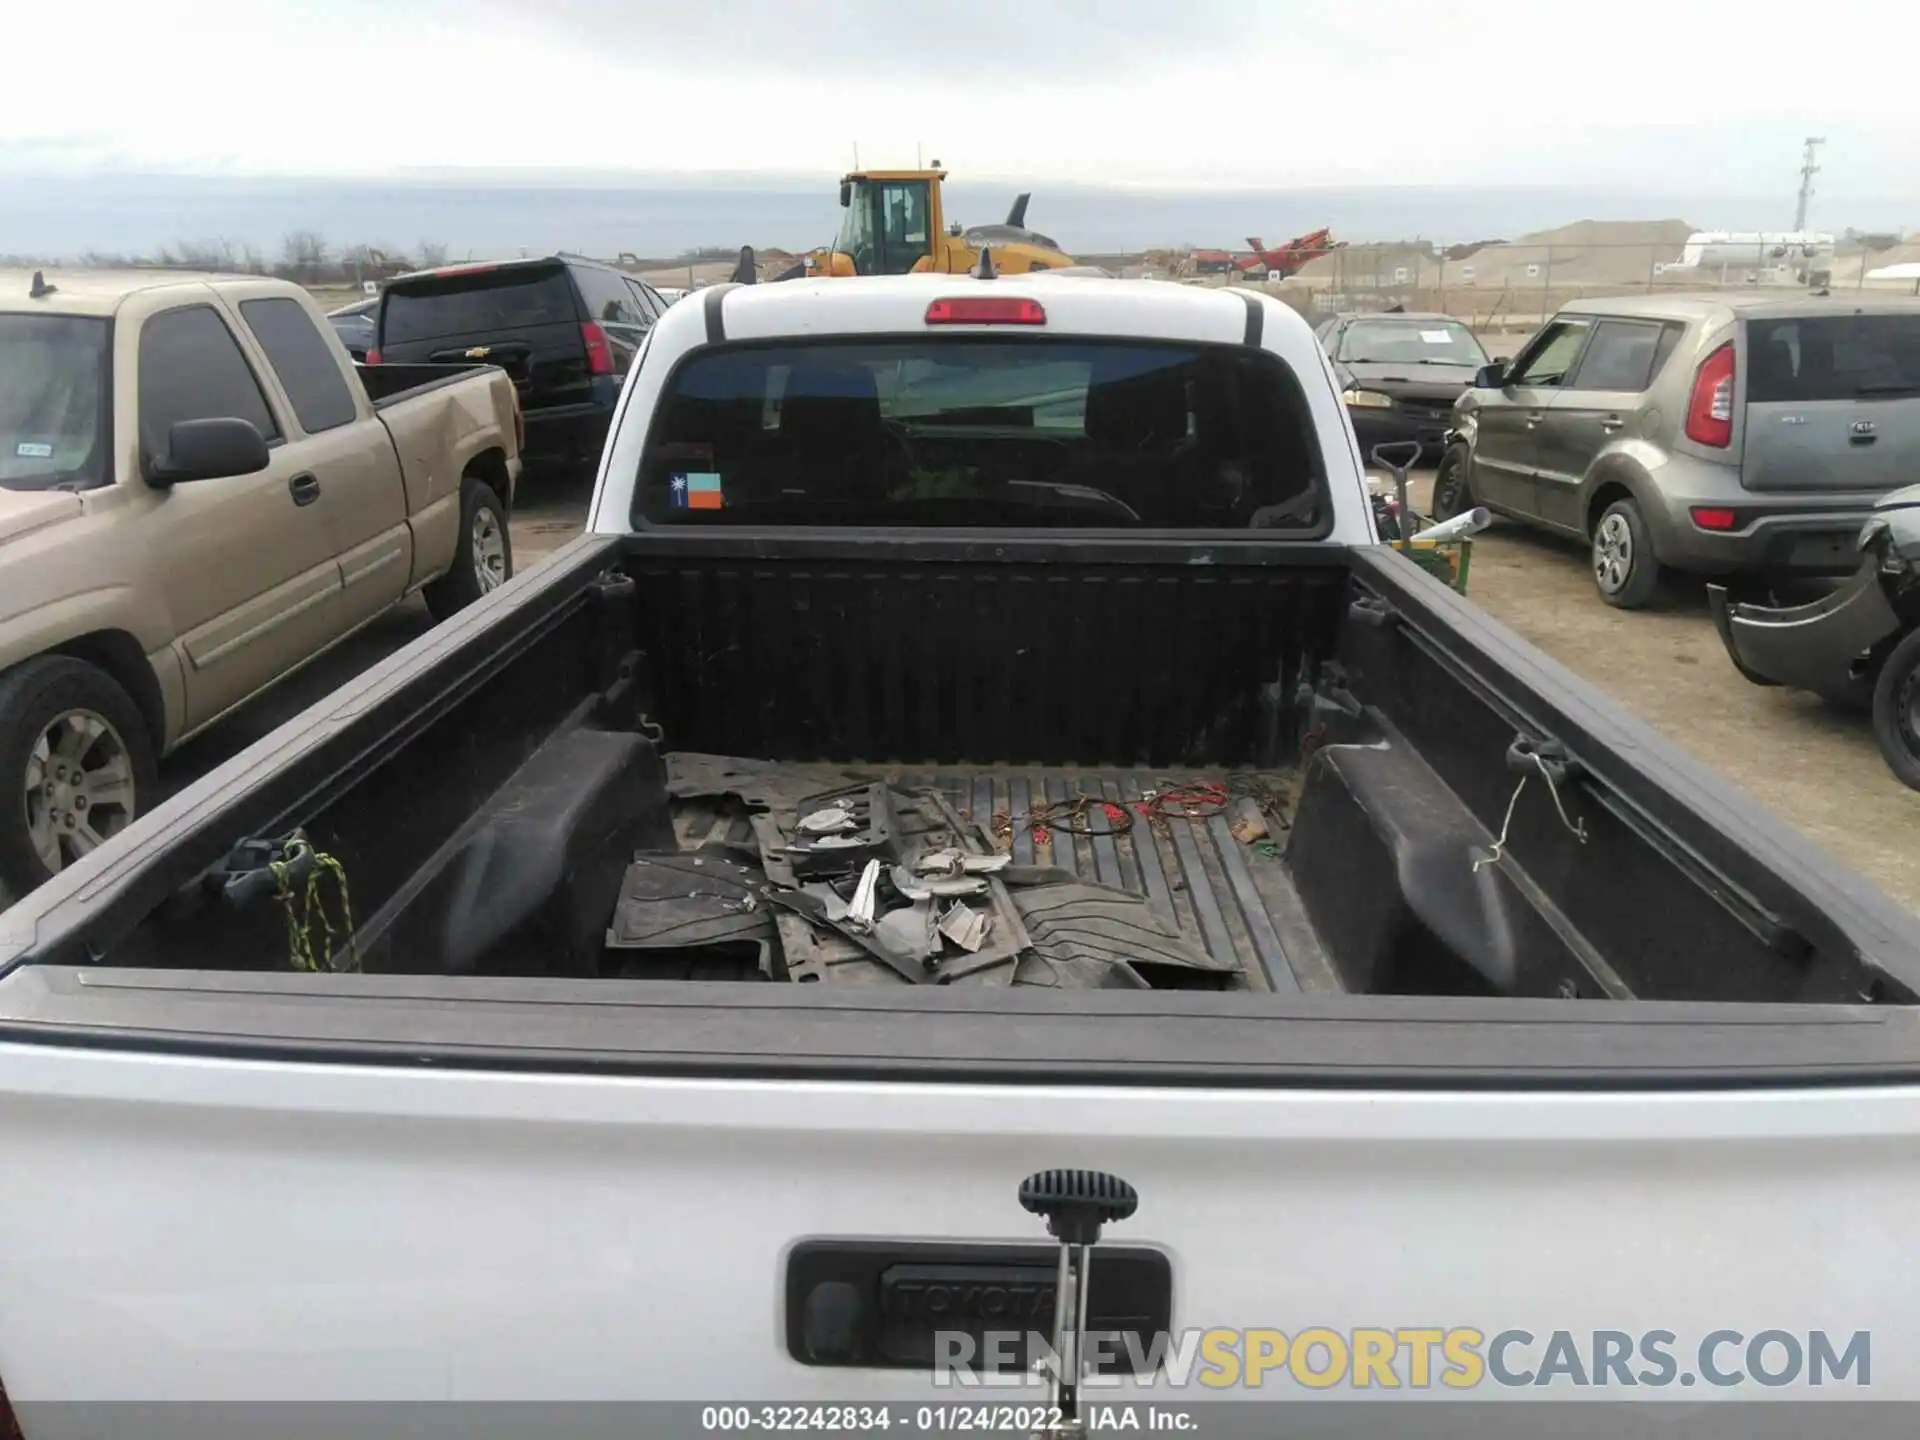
{"x":1445,"y":814}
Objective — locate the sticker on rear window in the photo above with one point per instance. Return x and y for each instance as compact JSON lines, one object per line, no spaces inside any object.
{"x":1437,"y":337}
{"x":33,"y":450}
{"x":697,"y":490}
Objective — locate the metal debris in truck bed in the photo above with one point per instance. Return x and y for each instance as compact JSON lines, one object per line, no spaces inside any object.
{"x":1051,"y":877}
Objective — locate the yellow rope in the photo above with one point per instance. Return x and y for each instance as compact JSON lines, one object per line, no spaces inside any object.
{"x":307,"y":910}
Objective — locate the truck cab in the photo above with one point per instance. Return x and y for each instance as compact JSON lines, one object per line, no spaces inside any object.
{"x":889,"y":222}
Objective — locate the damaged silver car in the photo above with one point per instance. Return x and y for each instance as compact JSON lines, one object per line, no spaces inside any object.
{"x":1859,"y":645}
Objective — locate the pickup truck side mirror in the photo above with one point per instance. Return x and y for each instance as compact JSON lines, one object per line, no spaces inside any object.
{"x":208,"y":450}
{"x":1490,"y":377}
{"x":846,"y":194}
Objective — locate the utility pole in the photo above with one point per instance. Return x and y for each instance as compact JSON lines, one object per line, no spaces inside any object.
{"x":1808,"y":169}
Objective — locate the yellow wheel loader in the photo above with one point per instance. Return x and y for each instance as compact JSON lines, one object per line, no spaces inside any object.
{"x":895,"y":224}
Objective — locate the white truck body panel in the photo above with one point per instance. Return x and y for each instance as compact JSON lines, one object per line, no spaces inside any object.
{"x":247,"y":1231}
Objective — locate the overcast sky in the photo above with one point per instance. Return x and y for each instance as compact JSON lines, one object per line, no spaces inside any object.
{"x":1152,"y":92}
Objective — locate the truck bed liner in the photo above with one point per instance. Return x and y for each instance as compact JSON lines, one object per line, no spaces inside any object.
{"x":1233,"y":900}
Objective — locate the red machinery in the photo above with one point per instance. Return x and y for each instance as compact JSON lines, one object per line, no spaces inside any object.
{"x":1289,"y":257}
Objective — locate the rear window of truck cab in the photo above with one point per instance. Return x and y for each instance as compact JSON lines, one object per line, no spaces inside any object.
{"x":984,"y":431}
{"x":484,"y":299}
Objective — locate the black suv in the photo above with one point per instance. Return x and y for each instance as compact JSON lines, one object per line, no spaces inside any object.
{"x":564,"y":327}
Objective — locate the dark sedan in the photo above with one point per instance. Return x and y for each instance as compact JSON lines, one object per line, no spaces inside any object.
{"x":354,"y":325}
{"x":1400,"y":374}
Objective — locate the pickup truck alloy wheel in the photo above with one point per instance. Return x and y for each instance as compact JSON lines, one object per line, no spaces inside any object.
{"x":79,"y":787}
{"x":489,"y":544}
{"x":76,"y":763}
{"x":1624,"y":567}
{"x":1896,"y":711}
{"x":483,"y":558}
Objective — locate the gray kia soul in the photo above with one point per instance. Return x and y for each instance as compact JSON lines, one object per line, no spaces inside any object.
{"x":1712,"y":434}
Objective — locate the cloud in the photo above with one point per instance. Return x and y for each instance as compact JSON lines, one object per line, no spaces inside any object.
{"x":1041,"y":92}
{"x":1002,"y":47}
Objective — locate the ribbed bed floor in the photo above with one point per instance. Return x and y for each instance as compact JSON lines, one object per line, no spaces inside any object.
{"x":1232,"y":899}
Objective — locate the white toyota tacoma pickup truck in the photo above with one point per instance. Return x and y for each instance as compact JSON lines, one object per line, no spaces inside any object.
{"x":977,"y":780}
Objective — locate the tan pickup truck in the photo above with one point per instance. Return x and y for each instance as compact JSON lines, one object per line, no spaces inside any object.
{"x":199,"y":493}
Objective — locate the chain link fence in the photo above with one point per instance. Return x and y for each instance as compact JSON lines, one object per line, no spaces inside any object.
{"x":1518,"y":286}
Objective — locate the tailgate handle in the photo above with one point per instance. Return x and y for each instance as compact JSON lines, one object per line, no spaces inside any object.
{"x":1535,"y":417}
{"x":878,"y":1304}
{"x":1859,"y":437}
{"x":304,"y":488}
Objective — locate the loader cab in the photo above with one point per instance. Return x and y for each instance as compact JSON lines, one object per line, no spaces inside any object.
{"x":890,"y":223}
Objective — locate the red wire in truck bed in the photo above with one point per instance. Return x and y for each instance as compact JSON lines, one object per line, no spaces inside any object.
{"x":1196,"y":800}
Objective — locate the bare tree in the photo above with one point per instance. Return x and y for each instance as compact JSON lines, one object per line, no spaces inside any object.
{"x":215,"y":254}
{"x":432,"y":255}
{"x":252,"y":261}
{"x":303,"y":255}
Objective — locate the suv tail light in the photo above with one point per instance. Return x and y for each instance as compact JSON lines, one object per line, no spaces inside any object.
{"x":373,"y":357}
{"x":986,"y":310}
{"x":1710,"y":407}
{"x":599,"y":352}
{"x":519,"y":435}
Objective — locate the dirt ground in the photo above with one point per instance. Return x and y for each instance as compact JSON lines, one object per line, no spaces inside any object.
{"x":1814,"y":767}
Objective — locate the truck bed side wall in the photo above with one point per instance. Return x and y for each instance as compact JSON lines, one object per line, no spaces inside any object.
{"x":1604,"y":884}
